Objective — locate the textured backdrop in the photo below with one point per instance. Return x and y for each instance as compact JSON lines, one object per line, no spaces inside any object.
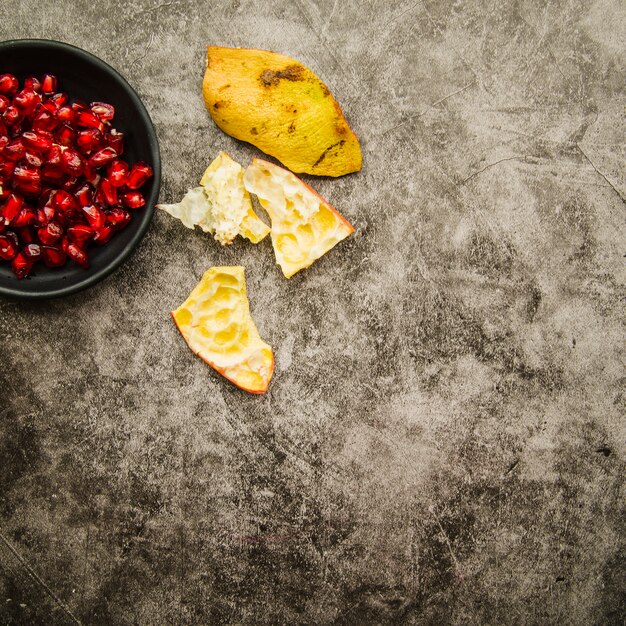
{"x":443,"y":440}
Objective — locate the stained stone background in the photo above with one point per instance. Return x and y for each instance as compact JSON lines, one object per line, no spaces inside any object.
{"x":443,"y":441}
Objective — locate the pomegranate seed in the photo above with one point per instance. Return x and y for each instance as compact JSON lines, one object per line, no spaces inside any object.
{"x":117,"y":218}
{"x":53,"y":168}
{"x":27,"y":179}
{"x":21,"y":266}
{"x":26,"y":234}
{"x":80,"y":234}
{"x":4,"y":103}
{"x":117,"y":173}
{"x":94,"y":216}
{"x":108,"y":191}
{"x":26,"y":101}
{"x":102,"y":157}
{"x":48,"y":84}
{"x":87,"y":119}
{"x":26,"y":217}
{"x":66,"y":135}
{"x":72,"y":161}
{"x":8,"y":84}
{"x":49,"y":233}
{"x":103,"y":235}
{"x":33,"y":159}
{"x":115,"y":140}
{"x":32,"y":251}
{"x":133,"y":200}
{"x":37,"y":141}
{"x":79,"y":105}
{"x":52,"y":256}
{"x":103,"y":110}
{"x":12,"y":115}
{"x":71,"y":183}
{"x":33,"y":83}
{"x":89,"y":140}
{"x":77,"y":255}
{"x":15,"y":150}
{"x":139,"y":174}
{"x":4,"y":132}
{"x":60,"y":99}
{"x":91,"y":174}
{"x":6,"y":170}
{"x":66,"y":115}
{"x":63,"y":201}
{"x":45,"y":215}
{"x":44,"y":120}
{"x":12,"y":208}
{"x":8,"y":248}
{"x":84,"y":194}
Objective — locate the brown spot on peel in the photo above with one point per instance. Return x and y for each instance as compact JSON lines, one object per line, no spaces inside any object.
{"x":273,"y":77}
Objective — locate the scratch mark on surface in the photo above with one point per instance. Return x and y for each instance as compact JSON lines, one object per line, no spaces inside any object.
{"x":158,"y":7}
{"x":431,"y":510}
{"x":145,"y":52}
{"x":601,"y":174}
{"x":525,"y":159}
{"x":31,"y":572}
{"x":431,"y":106}
{"x":330,"y":19}
{"x":395,"y":18}
{"x":511,"y":467}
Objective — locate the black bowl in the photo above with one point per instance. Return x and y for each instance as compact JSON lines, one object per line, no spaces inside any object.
{"x":85,"y":77}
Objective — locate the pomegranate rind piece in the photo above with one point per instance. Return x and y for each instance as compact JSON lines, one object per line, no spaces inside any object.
{"x":215,"y":322}
{"x":220,"y":205}
{"x":304,"y":225}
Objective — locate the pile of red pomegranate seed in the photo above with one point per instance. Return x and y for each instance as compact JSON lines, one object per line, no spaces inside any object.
{"x":63,"y":184}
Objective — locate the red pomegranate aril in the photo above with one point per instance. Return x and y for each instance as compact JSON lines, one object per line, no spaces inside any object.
{"x":50,"y":233}
{"x":12,"y":116}
{"x":32,"y":82}
{"x":91,"y":174}
{"x":71,"y":183}
{"x":26,"y":100}
{"x":79,"y":105}
{"x":6,"y":170}
{"x":4,"y":103}
{"x":115,"y":140}
{"x":133,"y":200}
{"x":60,"y":99}
{"x":103,"y":235}
{"x":86,"y":119}
{"x":117,"y":218}
{"x":32,"y":251}
{"x":8,"y":84}
{"x":8,"y":248}
{"x":21,"y":265}
{"x":48,"y":84}
{"x":26,"y":234}
{"x":45,"y":120}
{"x":80,"y":234}
{"x":27,"y":179}
{"x":77,"y":255}
{"x":84,"y":195}
{"x":66,"y":115}
{"x":94,"y":216}
{"x":103,"y":110}
{"x":52,"y":256}
{"x":108,"y":191}
{"x":117,"y":173}
{"x":26,"y":217}
{"x":45,"y":214}
{"x":63,"y":201}
{"x":89,"y":140}
{"x":139,"y":174}
{"x":72,"y":161}
{"x":12,"y":207}
{"x":37,"y":141}
{"x":102,"y":157}
{"x":4,"y":133}
{"x":15,"y":150}
{"x":33,"y":159}
{"x":65,"y":135}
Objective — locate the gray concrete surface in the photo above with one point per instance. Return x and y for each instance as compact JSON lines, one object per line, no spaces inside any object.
{"x":443,"y":440}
